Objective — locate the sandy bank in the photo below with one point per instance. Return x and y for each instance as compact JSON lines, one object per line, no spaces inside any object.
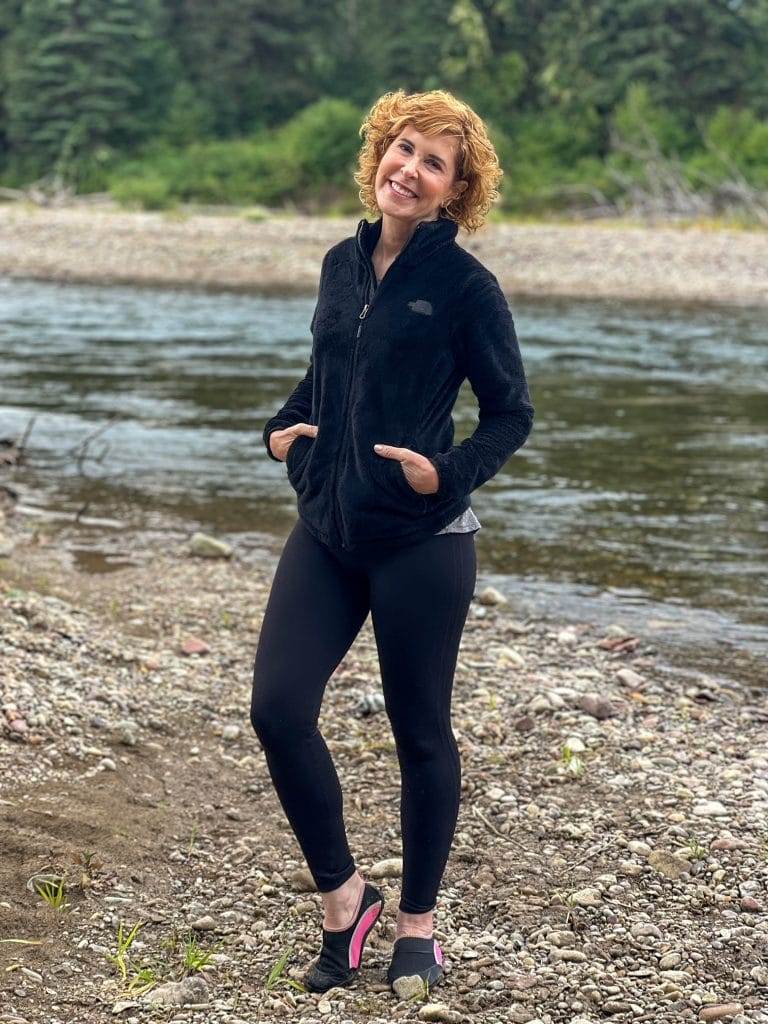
{"x":597,"y":260}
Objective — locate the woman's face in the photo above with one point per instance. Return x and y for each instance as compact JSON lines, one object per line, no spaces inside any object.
{"x":425,"y":165}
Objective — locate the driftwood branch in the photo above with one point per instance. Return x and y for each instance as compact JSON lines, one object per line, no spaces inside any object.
{"x":661,"y":188}
{"x":80,"y":451}
{"x":13,"y":452}
{"x":664,"y":190}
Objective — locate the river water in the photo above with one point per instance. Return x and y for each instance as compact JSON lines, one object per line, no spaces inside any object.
{"x":639,"y":499}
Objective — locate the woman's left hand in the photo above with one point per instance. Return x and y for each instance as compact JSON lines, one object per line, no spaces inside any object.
{"x":419,"y":471}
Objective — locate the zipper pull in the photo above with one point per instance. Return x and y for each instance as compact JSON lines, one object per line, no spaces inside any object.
{"x":364,"y":312}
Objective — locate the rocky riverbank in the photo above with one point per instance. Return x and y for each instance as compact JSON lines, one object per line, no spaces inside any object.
{"x":611,"y":856}
{"x":283,"y":254}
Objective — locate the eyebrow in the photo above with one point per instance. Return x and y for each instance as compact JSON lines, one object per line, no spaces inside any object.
{"x":410,"y":142}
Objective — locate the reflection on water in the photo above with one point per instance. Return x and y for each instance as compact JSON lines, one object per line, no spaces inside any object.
{"x":640,"y":497}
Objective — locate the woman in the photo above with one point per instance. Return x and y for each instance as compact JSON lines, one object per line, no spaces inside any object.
{"x":385,"y":526}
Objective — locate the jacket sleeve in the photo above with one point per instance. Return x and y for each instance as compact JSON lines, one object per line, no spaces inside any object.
{"x":490,"y":353}
{"x":298,"y":407}
{"x":296,"y":410}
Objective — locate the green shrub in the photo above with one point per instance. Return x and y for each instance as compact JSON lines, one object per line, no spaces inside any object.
{"x":147,"y":192}
{"x":310,"y":157}
{"x":738,"y":141}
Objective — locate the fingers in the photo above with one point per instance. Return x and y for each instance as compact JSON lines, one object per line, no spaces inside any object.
{"x":285,"y":438}
{"x":390,"y":451}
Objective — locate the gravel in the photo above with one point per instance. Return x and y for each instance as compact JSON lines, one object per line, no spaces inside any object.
{"x":622,"y":879}
{"x":282,"y":254}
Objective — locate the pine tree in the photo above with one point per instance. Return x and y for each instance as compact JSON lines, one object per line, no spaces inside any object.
{"x":692,"y":54}
{"x":81,"y":76}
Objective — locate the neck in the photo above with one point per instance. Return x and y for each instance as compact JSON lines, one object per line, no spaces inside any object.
{"x":395,"y":234}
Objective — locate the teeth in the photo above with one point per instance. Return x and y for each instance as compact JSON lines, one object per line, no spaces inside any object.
{"x":401,"y":190}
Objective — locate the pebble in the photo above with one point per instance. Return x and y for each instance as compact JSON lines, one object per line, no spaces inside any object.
{"x":389,"y":868}
{"x":723,"y":1011}
{"x":638,"y":846}
{"x":610,"y":833}
{"x":709,"y":808}
{"x":539,"y":703}
{"x":587,"y":897}
{"x":669,"y":960}
{"x":750,"y":904}
{"x":194,"y":646}
{"x":629,"y":867}
{"x":570,"y":955}
{"x":629,"y":678}
{"x":203,"y":924}
{"x":728,"y":843}
{"x":597,"y":706}
{"x":439,"y":1012}
{"x":408,"y":986}
{"x":370,"y":704}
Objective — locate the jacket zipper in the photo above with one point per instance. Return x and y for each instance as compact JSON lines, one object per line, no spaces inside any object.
{"x":347,"y":390}
{"x":372,"y":290}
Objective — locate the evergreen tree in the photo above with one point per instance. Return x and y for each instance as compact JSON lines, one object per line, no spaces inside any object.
{"x":248,"y":60}
{"x":692,"y":54}
{"x":10,"y":11}
{"x":83,"y":79}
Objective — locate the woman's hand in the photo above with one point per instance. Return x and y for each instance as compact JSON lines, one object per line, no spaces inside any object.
{"x":419,"y":471}
{"x":281,"y":440}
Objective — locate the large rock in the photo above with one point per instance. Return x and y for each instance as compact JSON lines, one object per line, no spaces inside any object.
{"x":208,"y":547}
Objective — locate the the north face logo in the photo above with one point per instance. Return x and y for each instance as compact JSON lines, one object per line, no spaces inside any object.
{"x":421,"y":306}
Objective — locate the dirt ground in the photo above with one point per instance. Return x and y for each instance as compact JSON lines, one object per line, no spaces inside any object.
{"x":627,"y":885}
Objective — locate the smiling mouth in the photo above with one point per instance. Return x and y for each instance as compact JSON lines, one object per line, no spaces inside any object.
{"x":406,"y":193}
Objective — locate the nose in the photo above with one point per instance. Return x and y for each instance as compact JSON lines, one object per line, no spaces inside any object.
{"x":409,"y":167}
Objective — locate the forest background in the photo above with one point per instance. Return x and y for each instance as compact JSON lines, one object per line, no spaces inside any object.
{"x":595,"y":107}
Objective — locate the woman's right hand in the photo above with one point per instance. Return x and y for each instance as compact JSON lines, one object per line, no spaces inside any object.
{"x":281,"y":440}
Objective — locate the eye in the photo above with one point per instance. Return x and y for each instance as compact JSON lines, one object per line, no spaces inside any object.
{"x":433,"y":161}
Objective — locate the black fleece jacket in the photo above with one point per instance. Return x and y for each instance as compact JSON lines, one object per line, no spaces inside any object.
{"x":386,"y":366}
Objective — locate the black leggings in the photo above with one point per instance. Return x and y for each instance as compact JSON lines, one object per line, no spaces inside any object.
{"x":418,"y":597}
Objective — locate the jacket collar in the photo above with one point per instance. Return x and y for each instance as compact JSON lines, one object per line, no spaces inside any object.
{"x":428,"y":237}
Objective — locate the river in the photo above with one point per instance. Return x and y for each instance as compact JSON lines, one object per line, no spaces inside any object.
{"x":639,"y":499}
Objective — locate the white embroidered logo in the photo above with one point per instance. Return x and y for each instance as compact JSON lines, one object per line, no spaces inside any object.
{"x":421,"y":306}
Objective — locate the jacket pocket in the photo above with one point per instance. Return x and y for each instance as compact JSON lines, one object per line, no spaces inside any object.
{"x":296,"y":458}
{"x":396,"y":482}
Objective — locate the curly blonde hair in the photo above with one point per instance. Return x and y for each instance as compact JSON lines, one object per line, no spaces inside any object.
{"x":433,"y":113}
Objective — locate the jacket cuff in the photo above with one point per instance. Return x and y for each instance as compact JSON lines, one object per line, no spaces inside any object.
{"x":449,"y":483}
{"x":267,"y":431}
